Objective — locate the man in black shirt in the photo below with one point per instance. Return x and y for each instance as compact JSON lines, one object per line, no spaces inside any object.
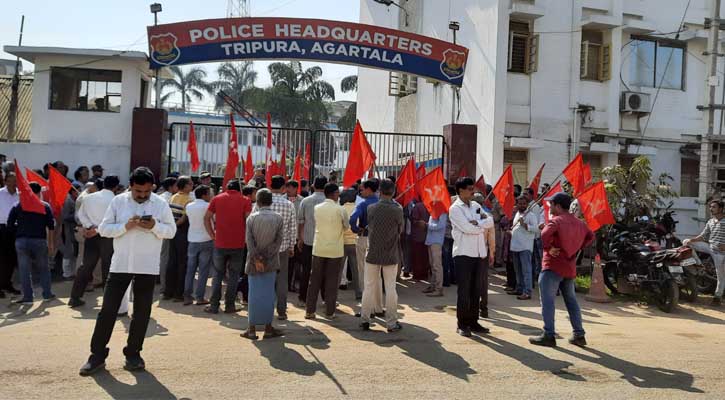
{"x":33,"y":242}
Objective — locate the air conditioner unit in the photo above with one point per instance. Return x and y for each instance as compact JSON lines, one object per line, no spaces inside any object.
{"x":635,"y":102}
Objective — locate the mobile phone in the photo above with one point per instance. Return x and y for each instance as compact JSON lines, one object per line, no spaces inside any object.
{"x":146,"y":217}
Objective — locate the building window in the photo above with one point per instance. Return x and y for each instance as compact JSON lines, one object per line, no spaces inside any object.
{"x":689,"y":177}
{"x":519,"y":160}
{"x":523,"y":55}
{"x":594,"y":64}
{"x":595,"y":164}
{"x":81,"y":89}
{"x":648,"y":65}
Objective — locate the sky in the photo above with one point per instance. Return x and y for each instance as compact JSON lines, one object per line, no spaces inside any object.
{"x":121,"y":25}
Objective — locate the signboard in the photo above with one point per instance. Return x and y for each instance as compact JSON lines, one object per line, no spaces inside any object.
{"x":306,"y":39}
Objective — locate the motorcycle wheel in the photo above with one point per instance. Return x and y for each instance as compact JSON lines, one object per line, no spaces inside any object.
{"x":706,"y":281}
{"x":610,"y":277}
{"x":689,"y":291}
{"x":669,"y":296}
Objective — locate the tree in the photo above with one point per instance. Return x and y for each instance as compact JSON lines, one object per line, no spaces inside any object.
{"x":237,"y":80}
{"x":187,"y":84}
{"x":347,"y":121}
{"x":632,"y":192}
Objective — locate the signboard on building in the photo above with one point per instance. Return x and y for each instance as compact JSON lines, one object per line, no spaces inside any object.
{"x":306,"y":39}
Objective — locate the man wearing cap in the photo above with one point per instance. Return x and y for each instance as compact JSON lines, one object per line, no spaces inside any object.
{"x":205,"y":179}
{"x":562,"y":238}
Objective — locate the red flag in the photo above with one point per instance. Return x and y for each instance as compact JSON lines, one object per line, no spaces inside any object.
{"x":28,"y":200}
{"x":282,"y":166}
{"x":595,"y":208}
{"x":191,"y":148}
{"x":504,"y":191}
{"x":434,"y":193}
{"x":268,"y":160}
{"x":308,"y":162}
{"x":233,"y":156}
{"x":297,"y":171}
{"x":587,"y":174}
{"x":463,"y":172}
{"x":420,"y":172}
{"x":248,"y":165}
{"x":554,"y":190}
{"x":536,"y":182}
{"x":405,"y":184}
{"x":481,"y":184}
{"x":58,"y":187}
{"x":34,"y":177}
{"x":360,"y":158}
{"x":574,"y":173}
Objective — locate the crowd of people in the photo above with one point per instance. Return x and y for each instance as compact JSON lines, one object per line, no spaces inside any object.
{"x":267,"y":242}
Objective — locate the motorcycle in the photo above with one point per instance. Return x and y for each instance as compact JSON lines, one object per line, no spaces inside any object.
{"x":633,"y":266}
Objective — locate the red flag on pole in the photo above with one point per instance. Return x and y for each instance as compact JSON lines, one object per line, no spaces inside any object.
{"x":232,"y":156}
{"x":34,"y":177}
{"x":308,"y":162}
{"x":420,"y":172}
{"x":554,"y":190}
{"x":595,"y":208}
{"x":536,"y":182}
{"x":282,"y":166}
{"x":434,"y":193}
{"x":28,"y":200}
{"x":481,"y":185}
{"x":297,"y":171}
{"x":360,"y":158}
{"x":191,"y":148}
{"x":58,"y":187}
{"x":504,"y":191}
{"x":587,"y":174}
{"x":405,"y":184}
{"x":268,"y":160}
{"x":248,"y":165}
{"x":574,"y":173}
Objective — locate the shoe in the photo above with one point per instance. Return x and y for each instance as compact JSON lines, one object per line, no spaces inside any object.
{"x":716,"y":301}
{"x":483,"y":313}
{"x":365,"y":326}
{"x":93,"y":365}
{"x":135,"y":363}
{"x":49,"y":298}
{"x":282,"y":317}
{"x":188,"y":301}
{"x":395,"y":328}
{"x":310,"y":316}
{"x":23,"y":301}
{"x":406,"y":274}
{"x":122,"y":314}
{"x":379,"y":314}
{"x":514,"y":292}
{"x":230,"y":309}
{"x":580,"y":341}
{"x":429,"y":290}
{"x":465,"y":332}
{"x":478,"y":328}
{"x":211,"y":310}
{"x":202,"y":302}
{"x":436,"y":293}
{"x":543,"y":340}
{"x":75,"y":302}
{"x":524,"y":297}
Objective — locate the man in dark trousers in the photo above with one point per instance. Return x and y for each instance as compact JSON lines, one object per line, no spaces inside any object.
{"x":138,"y":221}
{"x":562,"y":238}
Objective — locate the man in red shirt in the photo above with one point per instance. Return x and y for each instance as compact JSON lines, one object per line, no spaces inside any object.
{"x":562,"y":238}
{"x":225,"y":221}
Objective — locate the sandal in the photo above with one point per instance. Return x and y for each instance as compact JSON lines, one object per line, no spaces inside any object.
{"x":273,"y":334}
{"x":248,"y":335}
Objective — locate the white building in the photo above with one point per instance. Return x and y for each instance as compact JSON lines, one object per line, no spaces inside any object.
{"x":545,"y":78}
{"x":82,"y":107}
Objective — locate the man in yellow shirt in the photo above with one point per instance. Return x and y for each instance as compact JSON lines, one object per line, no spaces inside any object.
{"x":331,"y":222}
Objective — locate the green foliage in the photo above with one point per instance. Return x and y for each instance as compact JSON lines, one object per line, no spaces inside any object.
{"x":347,"y":121}
{"x":237,"y":80}
{"x":189,"y":84}
{"x":632,"y":192}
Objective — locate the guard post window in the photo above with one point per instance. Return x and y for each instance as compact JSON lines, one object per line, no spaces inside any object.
{"x":523,"y":54}
{"x":594,"y":64}
{"x":81,"y":89}
{"x":649,"y":63}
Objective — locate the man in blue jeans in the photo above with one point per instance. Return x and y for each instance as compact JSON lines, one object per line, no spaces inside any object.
{"x":524,"y":230}
{"x":201,"y":247}
{"x":33,"y":240}
{"x":562,"y":238}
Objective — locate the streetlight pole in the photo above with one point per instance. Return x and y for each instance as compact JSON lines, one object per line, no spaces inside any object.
{"x":155,"y":9}
{"x":454,"y":26}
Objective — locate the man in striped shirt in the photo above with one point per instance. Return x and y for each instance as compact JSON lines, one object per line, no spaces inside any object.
{"x":712,"y":241}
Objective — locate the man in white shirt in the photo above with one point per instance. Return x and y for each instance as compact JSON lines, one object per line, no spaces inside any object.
{"x":137,"y":221}
{"x":470,"y":249}
{"x":96,"y":247}
{"x":8,"y":257}
{"x":524,"y":230}
{"x":201,"y":247}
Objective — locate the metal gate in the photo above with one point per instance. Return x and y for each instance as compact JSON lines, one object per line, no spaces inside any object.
{"x":329,"y":148}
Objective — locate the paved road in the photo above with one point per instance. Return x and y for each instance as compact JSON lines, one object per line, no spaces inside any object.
{"x":635,"y":352}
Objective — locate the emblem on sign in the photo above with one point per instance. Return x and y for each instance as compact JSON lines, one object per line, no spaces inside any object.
{"x":453,"y":64}
{"x":164,"y":50}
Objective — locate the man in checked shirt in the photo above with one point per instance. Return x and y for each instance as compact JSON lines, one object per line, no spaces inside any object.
{"x":712,"y":241}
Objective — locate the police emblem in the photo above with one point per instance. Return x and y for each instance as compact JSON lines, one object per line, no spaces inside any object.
{"x":163,"y":49}
{"x":453,"y":63}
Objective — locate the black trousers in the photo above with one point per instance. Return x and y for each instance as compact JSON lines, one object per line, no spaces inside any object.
{"x":96,"y":248}
{"x":305,"y":272}
{"x":176,"y":268}
{"x":325,"y":274}
{"x":8,"y":257}
{"x":510,"y":275}
{"x":468,"y":275}
{"x":143,"y":297}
